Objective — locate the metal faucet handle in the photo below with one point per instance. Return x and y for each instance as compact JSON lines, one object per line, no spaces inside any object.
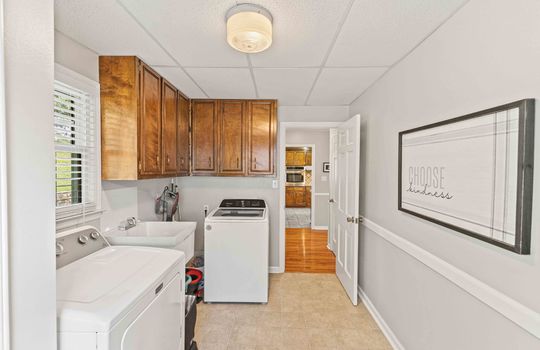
{"x":129,"y":223}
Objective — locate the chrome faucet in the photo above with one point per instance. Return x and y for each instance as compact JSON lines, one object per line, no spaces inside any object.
{"x":129,"y":223}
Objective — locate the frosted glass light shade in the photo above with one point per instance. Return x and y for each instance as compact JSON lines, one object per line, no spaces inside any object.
{"x":249,"y":28}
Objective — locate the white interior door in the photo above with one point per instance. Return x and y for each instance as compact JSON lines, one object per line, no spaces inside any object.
{"x":332,"y":237}
{"x":346,"y":207}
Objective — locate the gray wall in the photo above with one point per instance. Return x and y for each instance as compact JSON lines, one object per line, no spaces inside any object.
{"x":29,"y":44}
{"x":321,"y":140}
{"x":484,"y":56}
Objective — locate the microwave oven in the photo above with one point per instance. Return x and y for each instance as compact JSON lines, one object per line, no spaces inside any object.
{"x":295,"y":175}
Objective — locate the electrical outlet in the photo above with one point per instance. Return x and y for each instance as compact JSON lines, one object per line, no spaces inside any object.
{"x":205,"y":207}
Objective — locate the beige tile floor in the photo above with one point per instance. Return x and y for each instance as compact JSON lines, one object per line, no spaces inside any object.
{"x":305,"y":311}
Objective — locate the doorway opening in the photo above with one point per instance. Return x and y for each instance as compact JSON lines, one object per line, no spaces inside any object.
{"x":306,"y":201}
{"x":341,"y":179}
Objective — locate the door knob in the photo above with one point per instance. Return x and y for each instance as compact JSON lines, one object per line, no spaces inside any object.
{"x":331,"y":201}
{"x":350,"y":219}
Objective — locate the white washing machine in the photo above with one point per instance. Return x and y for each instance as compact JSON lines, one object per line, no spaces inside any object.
{"x":117,"y":298}
{"x":236,"y":243}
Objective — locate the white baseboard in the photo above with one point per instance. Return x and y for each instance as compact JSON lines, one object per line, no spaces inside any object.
{"x":392,"y":339}
{"x":275,"y":269}
{"x":521,"y":315}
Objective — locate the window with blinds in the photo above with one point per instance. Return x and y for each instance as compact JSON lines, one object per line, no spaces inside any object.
{"x":75,"y":127}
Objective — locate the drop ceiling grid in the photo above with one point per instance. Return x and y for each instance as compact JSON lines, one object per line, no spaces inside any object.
{"x":190,"y":50}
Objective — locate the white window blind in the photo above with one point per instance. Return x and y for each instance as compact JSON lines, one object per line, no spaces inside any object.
{"x":76,"y":150}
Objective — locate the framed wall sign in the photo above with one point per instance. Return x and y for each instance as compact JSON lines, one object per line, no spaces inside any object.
{"x":326,"y":167}
{"x":473,"y":174}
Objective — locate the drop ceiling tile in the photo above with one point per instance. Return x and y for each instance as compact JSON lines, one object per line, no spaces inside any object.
{"x":104,"y":27}
{"x":289,"y":85}
{"x":181,"y":81}
{"x":340,"y":86}
{"x":224,"y":82}
{"x":302,"y":33}
{"x":192,"y":31}
{"x":380,"y":32}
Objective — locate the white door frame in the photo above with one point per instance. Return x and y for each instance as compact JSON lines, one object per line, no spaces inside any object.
{"x":282,"y":145}
{"x":312,"y":146}
{"x":4,"y":256}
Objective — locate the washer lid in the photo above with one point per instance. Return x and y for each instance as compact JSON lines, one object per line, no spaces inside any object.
{"x":95,"y":292}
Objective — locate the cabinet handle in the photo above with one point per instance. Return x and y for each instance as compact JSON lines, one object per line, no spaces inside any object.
{"x":255,"y":163}
{"x":182,"y":160}
{"x":168,"y":159}
{"x":209,"y":161}
{"x":237,"y":162}
{"x":157,"y":159}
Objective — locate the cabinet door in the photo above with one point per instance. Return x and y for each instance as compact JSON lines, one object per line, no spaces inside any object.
{"x":308,"y":158}
{"x":204,"y":137}
{"x":299,"y":158}
{"x":299,"y":197}
{"x":232,"y":138}
{"x":169,"y":110}
{"x":149,"y":122}
{"x":289,"y":158}
{"x":308,"y":197}
{"x":183,"y":136}
{"x":261,"y":135}
{"x":289,"y":197}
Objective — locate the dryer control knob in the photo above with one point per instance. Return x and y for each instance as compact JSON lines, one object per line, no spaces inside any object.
{"x":83,"y":239}
{"x":94,"y":235}
{"x":59,"y":249}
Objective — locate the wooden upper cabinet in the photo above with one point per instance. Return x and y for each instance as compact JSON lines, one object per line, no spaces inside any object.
{"x":138,"y":120}
{"x":119,"y":96}
{"x":232,"y":138}
{"x":169,"y":124}
{"x":150,"y":122}
{"x":261,"y":137}
{"x":204,"y":137}
{"x":183,"y":136}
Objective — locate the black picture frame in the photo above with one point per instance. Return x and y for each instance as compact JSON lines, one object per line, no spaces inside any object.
{"x":326,"y":167}
{"x":524,"y":177}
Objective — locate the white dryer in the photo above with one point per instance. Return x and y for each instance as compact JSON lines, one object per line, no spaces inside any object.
{"x":117,"y":298}
{"x":236,"y":243}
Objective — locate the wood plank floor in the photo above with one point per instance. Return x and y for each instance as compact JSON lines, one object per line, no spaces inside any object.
{"x":306,"y":251}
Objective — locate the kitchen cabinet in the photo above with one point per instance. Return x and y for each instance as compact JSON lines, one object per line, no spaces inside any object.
{"x":308,"y":196}
{"x":261,"y":137}
{"x":204,"y":137}
{"x":150,"y":122}
{"x":308,"y":158}
{"x":182,"y":136}
{"x":169,"y":121}
{"x":297,"y":197}
{"x":233,"y":137}
{"x":140,"y":114}
{"x":298,"y":157}
{"x":232,"y":130}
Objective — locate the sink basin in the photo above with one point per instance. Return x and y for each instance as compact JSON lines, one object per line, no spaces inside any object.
{"x":178,"y":235}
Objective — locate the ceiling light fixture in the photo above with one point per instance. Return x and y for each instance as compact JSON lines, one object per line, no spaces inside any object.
{"x":249,"y":28}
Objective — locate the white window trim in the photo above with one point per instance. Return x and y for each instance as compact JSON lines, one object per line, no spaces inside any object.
{"x":65,"y":217}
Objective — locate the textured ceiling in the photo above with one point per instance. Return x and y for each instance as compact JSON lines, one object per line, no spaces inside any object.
{"x":324,"y":52}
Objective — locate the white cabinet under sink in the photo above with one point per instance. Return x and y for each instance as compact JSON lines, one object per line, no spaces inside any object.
{"x":179,"y":235}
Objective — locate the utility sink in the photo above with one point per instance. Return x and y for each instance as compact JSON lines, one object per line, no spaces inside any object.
{"x":179,"y":235}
